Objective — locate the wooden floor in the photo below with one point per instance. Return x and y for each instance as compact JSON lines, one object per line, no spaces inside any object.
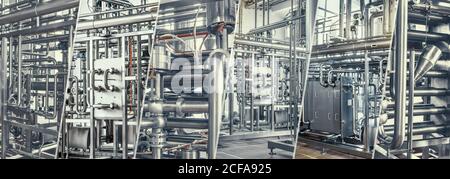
{"x":305,"y":151}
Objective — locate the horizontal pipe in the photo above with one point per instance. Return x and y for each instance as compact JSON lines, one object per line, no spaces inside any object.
{"x":15,"y":5}
{"x":423,"y":130}
{"x":352,"y":46}
{"x":420,"y":18}
{"x":180,"y":106}
{"x":426,"y":111}
{"x":39,"y":10}
{"x":433,"y":8}
{"x":266,"y":45}
{"x":347,"y":57}
{"x":117,"y":21}
{"x":57,"y":38}
{"x":187,"y":123}
{"x":428,"y":92}
{"x":186,"y":107}
{"x":429,"y":36}
{"x":41,"y":29}
{"x":273,"y":26}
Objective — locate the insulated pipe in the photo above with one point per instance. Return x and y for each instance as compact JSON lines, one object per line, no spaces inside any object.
{"x":401,"y":40}
{"x":39,"y":10}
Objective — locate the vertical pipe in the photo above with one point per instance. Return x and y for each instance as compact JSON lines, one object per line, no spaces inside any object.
{"x":3,"y":94}
{"x":256,"y":14}
{"x":341,"y":18}
{"x":11,"y":74}
{"x":348,"y":22}
{"x":19,"y":58}
{"x":241,"y":13}
{"x":252,"y":112}
{"x":216,"y":96}
{"x":264,"y":12}
{"x":90,"y":52}
{"x":269,"y":33}
{"x":62,"y":127}
{"x":61,"y":116}
{"x":386,"y":16}
{"x":400,"y":74}
{"x":138,"y":85}
{"x":230,"y":107}
{"x":292,"y":67}
{"x":412,"y":85}
{"x":366,"y":101}
{"x":124,"y":102}
{"x":367,"y":26}
{"x":275,"y":69}
{"x":310,"y":14}
{"x":156,"y":150}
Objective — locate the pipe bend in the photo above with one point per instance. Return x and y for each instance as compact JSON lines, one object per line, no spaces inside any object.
{"x":322,"y":83}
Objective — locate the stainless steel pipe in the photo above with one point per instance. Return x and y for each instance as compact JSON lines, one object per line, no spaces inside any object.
{"x":39,"y":10}
{"x":401,"y":39}
{"x":118,"y":21}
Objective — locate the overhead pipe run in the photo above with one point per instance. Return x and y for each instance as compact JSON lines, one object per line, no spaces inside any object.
{"x":41,"y":29}
{"x":118,"y":21}
{"x":39,"y":10}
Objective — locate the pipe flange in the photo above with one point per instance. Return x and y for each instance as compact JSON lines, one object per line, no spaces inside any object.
{"x":157,"y":140}
{"x":218,"y":27}
{"x":179,"y":104}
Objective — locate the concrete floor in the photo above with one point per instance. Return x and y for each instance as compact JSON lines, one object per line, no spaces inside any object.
{"x":305,"y":151}
{"x":250,"y":149}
